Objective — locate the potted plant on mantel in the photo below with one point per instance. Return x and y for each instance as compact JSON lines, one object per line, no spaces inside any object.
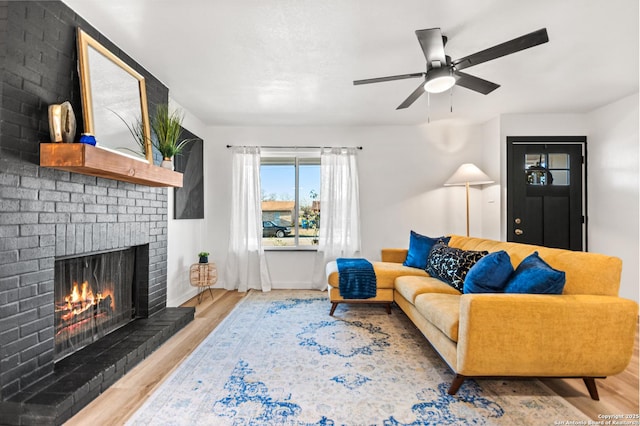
{"x":167,"y":126}
{"x":204,"y":257}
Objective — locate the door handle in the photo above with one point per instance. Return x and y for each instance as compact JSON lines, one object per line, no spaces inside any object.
{"x":518,"y":231}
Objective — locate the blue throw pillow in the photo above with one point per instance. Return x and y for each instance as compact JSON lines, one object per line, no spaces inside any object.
{"x":419,"y":248}
{"x":535,"y":276}
{"x":490,"y":274}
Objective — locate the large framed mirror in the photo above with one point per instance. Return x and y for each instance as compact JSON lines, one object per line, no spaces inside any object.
{"x":114,"y":100}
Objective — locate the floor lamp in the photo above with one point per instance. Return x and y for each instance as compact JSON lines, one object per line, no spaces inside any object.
{"x":468,"y":174}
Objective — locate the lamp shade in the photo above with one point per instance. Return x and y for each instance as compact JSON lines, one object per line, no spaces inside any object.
{"x":468,"y":173}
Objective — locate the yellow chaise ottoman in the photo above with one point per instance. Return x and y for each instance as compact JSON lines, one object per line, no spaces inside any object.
{"x":386,"y":273}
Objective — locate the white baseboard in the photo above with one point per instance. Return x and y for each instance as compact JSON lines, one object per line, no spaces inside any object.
{"x":177,"y":301}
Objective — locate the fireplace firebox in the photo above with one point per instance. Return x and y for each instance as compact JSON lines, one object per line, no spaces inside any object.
{"x":94,"y":295}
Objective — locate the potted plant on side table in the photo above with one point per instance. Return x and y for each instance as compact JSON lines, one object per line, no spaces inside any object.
{"x":204,"y":257}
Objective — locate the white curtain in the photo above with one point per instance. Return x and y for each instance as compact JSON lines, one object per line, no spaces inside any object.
{"x":246,"y":264}
{"x":340,"y":210}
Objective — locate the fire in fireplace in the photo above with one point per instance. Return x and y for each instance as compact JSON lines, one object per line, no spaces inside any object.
{"x":93,"y":296}
{"x":80,"y":307}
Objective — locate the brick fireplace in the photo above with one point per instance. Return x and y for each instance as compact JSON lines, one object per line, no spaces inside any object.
{"x":47,"y":214}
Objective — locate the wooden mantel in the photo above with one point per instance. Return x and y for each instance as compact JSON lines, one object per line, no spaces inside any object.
{"x":89,"y":160}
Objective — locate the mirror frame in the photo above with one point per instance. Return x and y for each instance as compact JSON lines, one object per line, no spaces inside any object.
{"x":84,"y":42}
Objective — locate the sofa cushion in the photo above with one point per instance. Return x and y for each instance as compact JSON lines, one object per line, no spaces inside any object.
{"x":534,"y":275}
{"x":410,"y":287}
{"x":419,"y":248}
{"x":451,"y":264}
{"x":490,"y":274}
{"x":441,"y":310}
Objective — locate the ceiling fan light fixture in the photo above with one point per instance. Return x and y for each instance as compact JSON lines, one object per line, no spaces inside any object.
{"x":439,"y":80}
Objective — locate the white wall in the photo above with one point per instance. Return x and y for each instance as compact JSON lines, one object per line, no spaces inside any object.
{"x":402,"y":172}
{"x":613,"y":187}
{"x":186,"y":237}
{"x":492,"y":166}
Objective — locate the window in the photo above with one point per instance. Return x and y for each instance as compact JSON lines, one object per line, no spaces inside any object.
{"x":547,"y":169}
{"x":290,"y":183}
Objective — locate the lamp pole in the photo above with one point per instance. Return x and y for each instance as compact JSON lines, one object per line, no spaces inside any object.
{"x":467,"y":188}
{"x":468,"y":174}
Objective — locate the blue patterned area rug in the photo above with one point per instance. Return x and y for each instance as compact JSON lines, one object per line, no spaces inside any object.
{"x":280,"y":359}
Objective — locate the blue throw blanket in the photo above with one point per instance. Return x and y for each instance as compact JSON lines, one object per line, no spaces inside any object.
{"x":357,"y":278}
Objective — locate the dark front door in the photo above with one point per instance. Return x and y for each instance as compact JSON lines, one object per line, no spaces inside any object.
{"x":545,"y":177}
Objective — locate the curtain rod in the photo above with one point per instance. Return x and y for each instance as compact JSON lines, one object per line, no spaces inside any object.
{"x":295,"y":147}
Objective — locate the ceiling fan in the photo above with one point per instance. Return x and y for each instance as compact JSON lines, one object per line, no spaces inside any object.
{"x":443,"y":73}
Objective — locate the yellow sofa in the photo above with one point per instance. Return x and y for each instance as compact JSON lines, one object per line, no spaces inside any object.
{"x":587,"y":332}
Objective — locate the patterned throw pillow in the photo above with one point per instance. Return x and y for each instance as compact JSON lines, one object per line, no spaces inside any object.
{"x":450,"y":264}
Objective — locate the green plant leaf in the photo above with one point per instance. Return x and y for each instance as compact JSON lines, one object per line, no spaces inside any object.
{"x":137,"y":131}
{"x":167,"y":126}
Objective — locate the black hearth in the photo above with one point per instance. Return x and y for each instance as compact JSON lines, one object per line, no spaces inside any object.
{"x":82,"y":376}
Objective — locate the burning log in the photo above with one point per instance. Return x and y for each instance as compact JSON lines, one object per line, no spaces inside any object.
{"x":81,"y":306}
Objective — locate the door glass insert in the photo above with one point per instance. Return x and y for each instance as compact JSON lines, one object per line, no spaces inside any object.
{"x":559,"y":167}
{"x":536,"y":169}
{"x":558,"y":161}
{"x":547,"y":169}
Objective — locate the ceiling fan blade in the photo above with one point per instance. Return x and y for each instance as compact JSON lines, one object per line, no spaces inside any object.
{"x":433,"y":47}
{"x":475,"y":83}
{"x":412,"y":97}
{"x":390,"y":78}
{"x":517,"y":44}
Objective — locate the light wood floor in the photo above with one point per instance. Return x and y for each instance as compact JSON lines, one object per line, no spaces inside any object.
{"x":618,"y":394}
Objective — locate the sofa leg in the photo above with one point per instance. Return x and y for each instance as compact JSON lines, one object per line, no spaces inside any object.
{"x":591,"y":387}
{"x":456,"y":383}
{"x":388,"y":305}
{"x":334,"y":305}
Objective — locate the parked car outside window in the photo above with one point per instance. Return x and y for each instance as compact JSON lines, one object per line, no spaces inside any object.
{"x":270,"y":229}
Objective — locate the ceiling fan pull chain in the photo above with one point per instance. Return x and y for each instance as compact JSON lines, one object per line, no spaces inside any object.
{"x":428,"y":108}
{"x":451,"y":99}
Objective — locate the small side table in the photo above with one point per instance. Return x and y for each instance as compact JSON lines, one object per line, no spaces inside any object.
{"x":203,"y":275}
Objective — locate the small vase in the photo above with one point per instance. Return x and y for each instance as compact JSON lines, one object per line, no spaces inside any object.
{"x":204,"y":259}
{"x":62,"y":122}
{"x":167,"y":163}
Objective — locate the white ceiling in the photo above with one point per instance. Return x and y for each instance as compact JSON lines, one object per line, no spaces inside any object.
{"x":292,"y":62}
